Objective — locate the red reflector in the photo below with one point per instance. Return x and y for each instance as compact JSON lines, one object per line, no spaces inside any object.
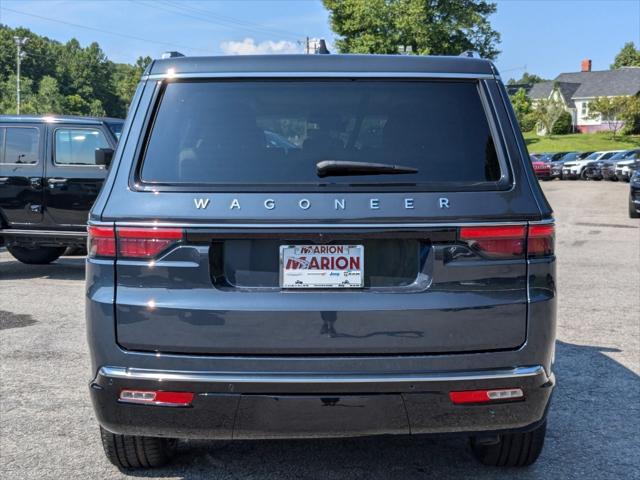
{"x":541,"y":240}
{"x":155,"y":397}
{"x":146,"y":242}
{"x":102,"y":242}
{"x":496,"y":241}
{"x":483,"y":396}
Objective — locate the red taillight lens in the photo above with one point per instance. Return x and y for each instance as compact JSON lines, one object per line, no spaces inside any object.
{"x":146,"y":242}
{"x":101,"y":242}
{"x":156,"y":397}
{"x":484,"y":396}
{"x":496,"y":241}
{"x":541,"y":240}
{"x":509,"y":241}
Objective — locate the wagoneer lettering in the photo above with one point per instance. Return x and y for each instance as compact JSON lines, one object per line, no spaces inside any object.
{"x":283,"y":230}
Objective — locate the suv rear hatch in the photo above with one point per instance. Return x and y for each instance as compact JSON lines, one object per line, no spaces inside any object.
{"x":229,"y":176}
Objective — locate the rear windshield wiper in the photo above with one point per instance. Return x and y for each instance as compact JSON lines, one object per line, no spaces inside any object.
{"x":326,"y":168}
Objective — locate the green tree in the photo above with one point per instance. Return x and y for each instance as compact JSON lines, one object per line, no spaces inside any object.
{"x":629,"y":56}
{"x":428,"y":27}
{"x":527,"y":78}
{"x":563,"y":125}
{"x":612,"y":111}
{"x":521,"y":105}
{"x":65,"y":78}
{"x":547,"y":111}
{"x":126,"y":79}
{"x":48,"y":99}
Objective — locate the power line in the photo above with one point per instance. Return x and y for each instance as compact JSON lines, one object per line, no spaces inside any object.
{"x":207,"y":17}
{"x":108,"y":32}
{"x":245,"y":24}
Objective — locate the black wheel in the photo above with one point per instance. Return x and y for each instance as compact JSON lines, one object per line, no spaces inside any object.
{"x":36,"y":255}
{"x":512,"y":450}
{"x":583,"y":175}
{"x":633,"y":213}
{"x":128,"y":451}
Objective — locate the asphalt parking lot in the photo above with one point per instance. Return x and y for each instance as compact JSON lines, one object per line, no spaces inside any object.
{"x":47,"y":429}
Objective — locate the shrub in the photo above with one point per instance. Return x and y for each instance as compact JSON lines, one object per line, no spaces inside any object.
{"x":528,"y":122}
{"x":563,"y":124}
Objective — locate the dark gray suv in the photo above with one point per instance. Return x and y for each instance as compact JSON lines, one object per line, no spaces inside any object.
{"x":321,"y":246}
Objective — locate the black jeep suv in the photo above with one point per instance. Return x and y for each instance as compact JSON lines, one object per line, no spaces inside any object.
{"x":385,"y":267}
{"x":51,"y":170}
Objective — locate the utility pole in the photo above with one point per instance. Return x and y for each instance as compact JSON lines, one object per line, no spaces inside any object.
{"x":20,"y":42}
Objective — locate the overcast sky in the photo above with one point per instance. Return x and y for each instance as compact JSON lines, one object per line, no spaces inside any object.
{"x":545,"y":36}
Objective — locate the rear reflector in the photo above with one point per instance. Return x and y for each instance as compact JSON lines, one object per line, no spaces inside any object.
{"x":496,"y":241}
{"x":485,"y":396}
{"x":146,"y":242}
{"x":102,"y":242}
{"x":155,"y":397}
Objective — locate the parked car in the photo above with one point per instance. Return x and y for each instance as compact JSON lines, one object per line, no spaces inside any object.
{"x":542,"y":169}
{"x":556,"y":161}
{"x":608,"y":170}
{"x":625,"y":168}
{"x":51,"y":170}
{"x":577,"y":168}
{"x":227,"y":294}
{"x":634,"y":195}
{"x":596,"y":169}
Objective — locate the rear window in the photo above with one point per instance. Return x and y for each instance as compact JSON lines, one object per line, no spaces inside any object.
{"x":20,"y":145}
{"x":245,"y":134}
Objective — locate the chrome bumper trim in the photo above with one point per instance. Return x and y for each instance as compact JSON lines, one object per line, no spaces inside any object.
{"x":214,"y":377}
{"x":42,"y":233}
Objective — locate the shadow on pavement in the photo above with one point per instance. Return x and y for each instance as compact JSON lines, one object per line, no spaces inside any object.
{"x":65,"y":268}
{"x":593,"y":433}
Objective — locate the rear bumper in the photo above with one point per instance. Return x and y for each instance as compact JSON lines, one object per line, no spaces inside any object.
{"x":245,"y":406}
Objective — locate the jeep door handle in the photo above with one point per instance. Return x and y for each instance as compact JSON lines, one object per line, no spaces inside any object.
{"x":4,"y":180}
{"x":56,"y":181}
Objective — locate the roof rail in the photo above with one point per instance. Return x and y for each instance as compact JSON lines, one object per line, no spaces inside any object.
{"x":172,"y":54}
{"x":470,"y":54}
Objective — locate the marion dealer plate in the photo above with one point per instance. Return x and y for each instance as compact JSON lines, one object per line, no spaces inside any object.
{"x":321,"y":266}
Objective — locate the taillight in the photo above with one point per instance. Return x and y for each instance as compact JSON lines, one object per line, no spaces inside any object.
{"x":146,"y":242}
{"x":101,"y":242}
{"x":501,"y":242}
{"x":157,"y":397}
{"x":485,"y":396}
{"x":496,"y":241}
{"x":541,"y":241}
{"x":131,"y":242}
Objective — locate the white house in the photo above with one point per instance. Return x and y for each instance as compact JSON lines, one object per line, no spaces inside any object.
{"x":575,"y":90}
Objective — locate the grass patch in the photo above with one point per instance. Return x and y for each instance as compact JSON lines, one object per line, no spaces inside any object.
{"x":580,"y":142}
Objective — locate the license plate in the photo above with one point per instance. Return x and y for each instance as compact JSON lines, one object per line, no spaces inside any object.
{"x":321,"y":266}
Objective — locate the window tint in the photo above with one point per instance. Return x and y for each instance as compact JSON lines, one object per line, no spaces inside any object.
{"x":78,"y":146}
{"x":20,"y":145}
{"x":264,"y":133}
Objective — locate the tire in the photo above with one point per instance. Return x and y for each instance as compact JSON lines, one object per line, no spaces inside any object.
{"x":632,"y":210}
{"x":583,"y":175}
{"x":36,"y":255}
{"x":513,"y":449}
{"x":128,"y":451}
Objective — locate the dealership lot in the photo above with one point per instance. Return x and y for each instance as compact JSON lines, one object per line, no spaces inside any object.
{"x":47,"y":429}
